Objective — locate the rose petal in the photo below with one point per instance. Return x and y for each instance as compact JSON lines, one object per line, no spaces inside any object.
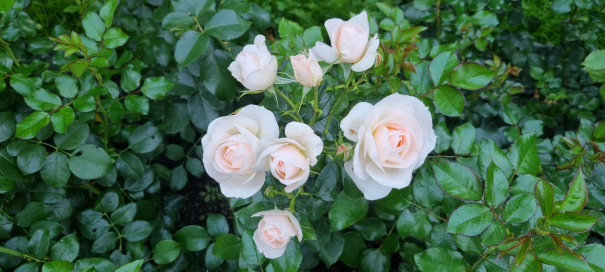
{"x":263,"y":78}
{"x":354,"y":48}
{"x":304,"y":135}
{"x":236,"y":72}
{"x":300,"y":182}
{"x":351,"y":123}
{"x":325,"y":53}
{"x":267,"y":125}
{"x":263,"y":247}
{"x":264,"y":55}
{"x":242,"y":185}
{"x":332,"y":24}
{"x":361,"y":20}
{"x":371,"y":189}
{"x":369,"y":57}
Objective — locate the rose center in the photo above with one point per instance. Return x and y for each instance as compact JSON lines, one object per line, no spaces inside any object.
{"x":347,"y":30}
{"x":233,"y":153}
{"x":398,"y":138}
{"x":272,"y":234}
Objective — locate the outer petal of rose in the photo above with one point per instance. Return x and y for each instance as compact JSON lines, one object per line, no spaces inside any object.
{"x":268,"y":251}
{"x":228,"y":125}
{"x":425,"y":121}
{"x":304,"y":77}
{"x":325,"y":53}
{"x":360,"y":159}
{"x":390,"y":177}
{"x":315,"y":69}
{"x":242,"y":185}
{"x":264,"y":56}
{"x":371,"y":189}
{"x":264,"y":78}
{"x":303,"y":179}
{"x":332,"y":24}
{"x":306,"y":137}
{"x":354,"y":48}
{"x":369,"y":58}
{"x":267,"y":124}
{"x":236,"y":72}
{"x":270,"y":212}
{"x":356,"y":117}
{"x":209,"y":158}
{"x":296,"y":225}
{"x":265,"y":147}
{"x":361,"y":20}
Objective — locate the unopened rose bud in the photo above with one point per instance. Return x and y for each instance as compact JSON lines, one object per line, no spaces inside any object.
{"x":343,"y":151}
{"x":271,"y":191}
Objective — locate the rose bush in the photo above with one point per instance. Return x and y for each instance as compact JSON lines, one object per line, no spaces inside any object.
{"x":234,"y":136}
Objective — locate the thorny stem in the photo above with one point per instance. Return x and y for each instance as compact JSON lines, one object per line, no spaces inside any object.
{"x":285,"y":97}
{"x":19,"y":254}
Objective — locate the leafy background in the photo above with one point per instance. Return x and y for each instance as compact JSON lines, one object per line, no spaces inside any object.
{"x":100,"y":128}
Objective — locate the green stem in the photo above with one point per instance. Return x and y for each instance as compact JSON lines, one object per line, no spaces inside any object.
{"x":90,"y":188}
{"x":293,"y":201}
{"x":338,"y":102}
{"x":18,"y":254}
{"x":9,"y":217}
{"x":51,"y":146}
{"x":8,"y":51}
{"x":114,"y":227}
{"x":427,"y":211}
{"x":315,"y":106}
{"x":125,"y":193}
{"x":105,"y":123}
{"x":285,"y":97}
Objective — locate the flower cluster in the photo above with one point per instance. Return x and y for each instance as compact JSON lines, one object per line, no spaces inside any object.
{"x":392,"y":138}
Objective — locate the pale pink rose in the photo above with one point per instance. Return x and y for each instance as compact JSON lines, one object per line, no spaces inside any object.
{"x":255,"y":67}
{"x":230,"y":149}
{"x":307,"y":70}
{"x":393,"y":137}
{"x":290,"y":159}
{"x":274,"y":232}
{"x":350,"y":42}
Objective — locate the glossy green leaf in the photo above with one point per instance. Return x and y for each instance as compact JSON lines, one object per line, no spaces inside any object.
{"x":490,"y":153}
{"x":576,"y":196}
{"x":32,"y":124}
{"x":374,"y":260}
{"x":496,"y":186}
{"x":250,"y":252}
{"x":145,"y":139}
{"x":8,"y":126}
{"x":449,"y":101}
{"x":90,"y":162}
{"x":463,"y":139}
{"x":137,"y":104}
{"x":217,"y":224}
{"x":227,"y":246}
{"x":85,"y":103}
{"x":287,"y":28}
{"x":131,"y":78}
{"x":594,"y":60}
{"x":421,"y":81}
{"x":190,"y":46}
{"x":441,"y":67}
{"x":137,"y":231}
{"x":457,"y":180}
{"x":156,"y":87}
{"x":105,"y":243}
{"x":129,"y":166}
{"x":177,"y":20}
{"x":290,"y":261}
{"x":38,"y":244}
{"x":345,"y":211}
{"x":114,"y":38}
{"x":124,"y":215}
{"x":414,"y":224}
{"x":131,"y":267}
{"x":441,"y":259}
{"x":524,"y":155}
{"x":519,"y":208}
{"x":471,"y":76}
{"x":193,"y":238}
{"x":62,"y":119}
{"x":66,"y":249}
{"x":166,"y":251}
{"x":469,"y":220}
{"x":57,"y":266}
{"x":572,"y":221}
{"x":565,"y":260}
{"x":31,"y":159}
{"x":93,"y":26}
{"x":74,"y":137}
{"x":545,"y":197}
{"x":355,"y":245}
{"x":43,"y":100}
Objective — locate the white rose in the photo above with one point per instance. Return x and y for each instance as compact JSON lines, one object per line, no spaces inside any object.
{"x":230,"y":149}
{"x":350,"y":42}
{"x":290,"y":159}
{"x":255,"y":67}
{"x":393,"y":137}
{"x":307,"y":70}
{"x":274,"y":232}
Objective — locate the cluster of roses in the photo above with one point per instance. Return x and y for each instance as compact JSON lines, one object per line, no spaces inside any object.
{"x":393,"y":137}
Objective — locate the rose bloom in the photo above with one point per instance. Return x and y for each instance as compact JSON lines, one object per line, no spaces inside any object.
{"x":274,"y":232}
{"x":307,"y":70}
{"x":255,"y":67}
{"x":350,"y":42}
{"x":393,"y":138}
{"x":230,"y":149}
{"x":290,"y":159}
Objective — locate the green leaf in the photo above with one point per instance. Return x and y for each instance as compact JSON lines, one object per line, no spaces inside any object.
{"x":333,"y":249}
{"x":374,"y":260}
{"x":32,"y":213}
{"x":31,"y":159}
{"x":129,"y":166}
{"x":66,"y":249}
{"x":6,"y":5}
{"x":227,"y":246}
{"x":496,"y":186}
{"x":519,"y":208}
{"x":594,"y":254}
{"x":190,"y":46}
{"x":355,"y":245}
{"x":124,"y":215}
{"x":42,"y":100}
{"x":217,"y":225}
{"x":545,"y":196}
{"x":9,"y":169}
{"x":226,"y":25}
{"x":137,"y":231}
{"x":490,"y":153}
{"x":290,"y":261}
{"x":441,"y":259}
{"x":38,"y":244}
{"x":105,"y":243}
{"x":94,"y":264}
{"x":6,"y":185}
{"x":250,"y":252}
{"x":327,"y":180}
{"x":57,"y":266}
{"x":131,"y":267}
{"x":426,"y":191}
{"x":463,"y":139}
{"x":594,"y":60}
{"x":137,"y":104}
{"x":200,"y":112}
{"x":576,"y":196}
{"x":420,"y":80}
{"x":32,"y":124}
{"x":414,"y":224}
{"x":177,"y":20}
{"x":193,"y":238}
{"x":107,"y":11}
{"x":441,"y":67}
{"x":85,"y":103}
{"x":494,"y":234}
{"x":564,"y":260}
{"x":457,"y":180}
{"x":145,"y":139}
{"x":74,"y":137}
{"x":25,"y":85}
{"x":471,"y":76}
{"x":176,"y":118}
{"x":166,"y":251}
{"x":114,"y":38}
{"x":156,"y":87}
{"x":312,"y":35}
{"x":346,"y":211}
{"x":524,"y":155}
{"x":8,"y":126}
{"x":212,"y":262}
{"x":138,"y":185}
{"x":287,"y":28}
{"x":27,"y":267}
{"x":62,"y":119}
{"x":93,"y":26}
{"x":448,"y":100}
{"x":178,"y":178}
{"x":90,"y":162}
{"x":469,"y":220}
{"x":217,"y":78}
{"x":107,"y":202}
{"x":78,"y":67}
{"x":572,"y":221}
{"x":195,"y":167}
{"x":131,"y":79}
